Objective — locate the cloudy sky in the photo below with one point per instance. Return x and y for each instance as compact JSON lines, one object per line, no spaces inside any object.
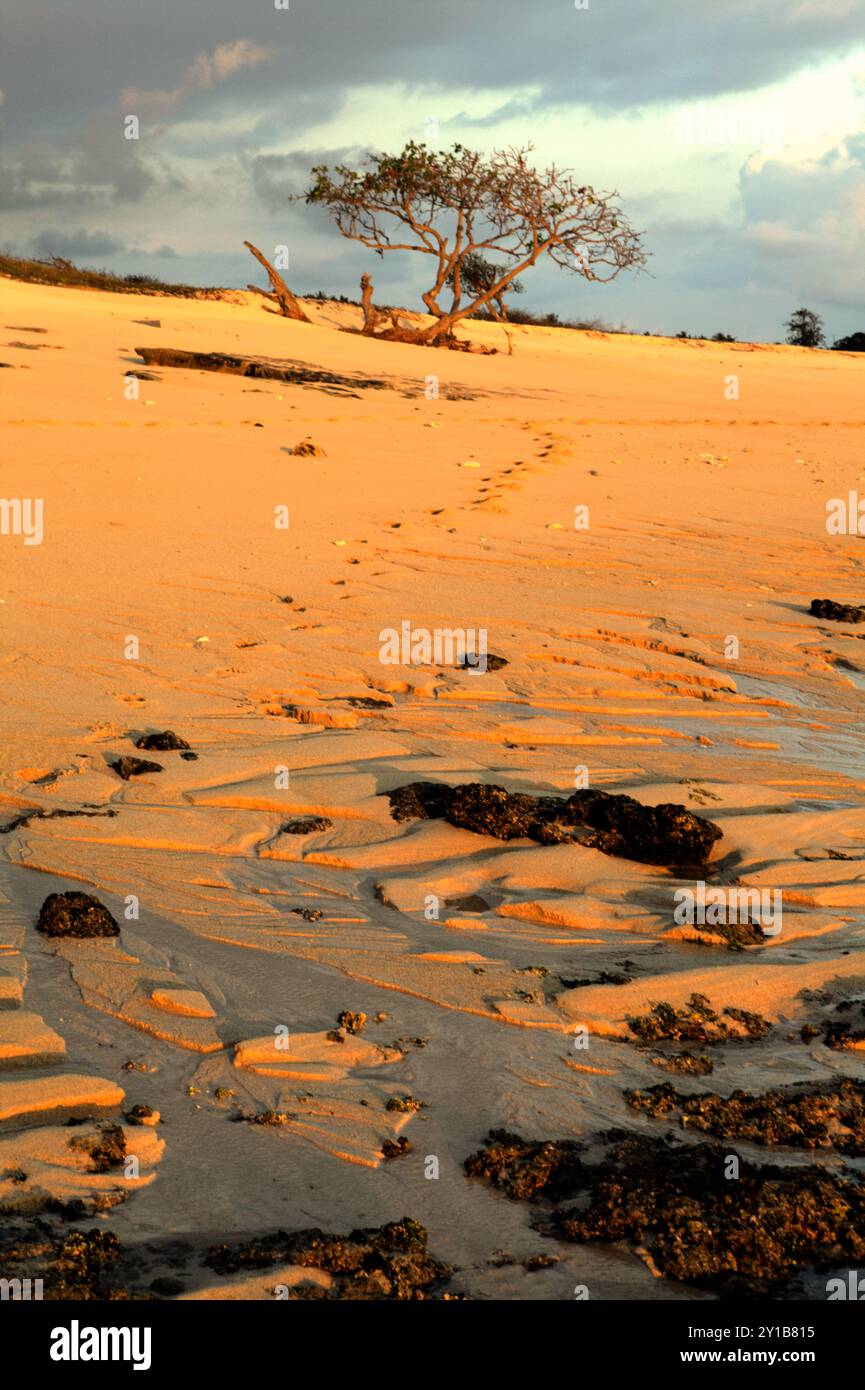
{"x":734,"y":132}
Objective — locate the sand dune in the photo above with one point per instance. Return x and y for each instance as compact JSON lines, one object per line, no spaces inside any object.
{"x":261,"y":647}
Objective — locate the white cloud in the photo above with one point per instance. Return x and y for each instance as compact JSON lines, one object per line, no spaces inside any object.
{"x":205,"y":71}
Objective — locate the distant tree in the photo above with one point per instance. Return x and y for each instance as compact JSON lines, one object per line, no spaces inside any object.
{"x":723,"y":338}
{"x":805,"y":329}
{"x":854,"y":343}
{"x":455,"y":203}
{"x":477,"y":274}
{"x":538,"y":320}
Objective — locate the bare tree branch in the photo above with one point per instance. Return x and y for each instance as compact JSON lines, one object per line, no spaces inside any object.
{"x":289,"y":306}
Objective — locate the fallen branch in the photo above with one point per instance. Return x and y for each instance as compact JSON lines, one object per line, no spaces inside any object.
{"x":280,"y":294}
{"x":265,"y":369}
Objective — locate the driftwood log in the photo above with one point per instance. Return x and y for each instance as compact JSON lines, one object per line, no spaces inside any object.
{"x":265,"y":369}
{"x":279,"y":293}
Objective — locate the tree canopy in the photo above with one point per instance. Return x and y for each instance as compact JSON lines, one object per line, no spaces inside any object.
{"x":854,"y":342}
{"x":478,"y":274}
{"x":805,"y":329}
{"x":457,"y":204}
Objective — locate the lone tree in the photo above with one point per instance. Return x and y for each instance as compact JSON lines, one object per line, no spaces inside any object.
{"x":805,"y":329}
{"x":457,"y":204}
{"x":478,"y":274}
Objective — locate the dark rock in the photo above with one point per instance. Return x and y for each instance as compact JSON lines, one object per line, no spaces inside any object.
{"x":107,"y":1149}
{"x":351,"y":1022}
{"x":75,"y":1265}
{"x":490,"y":663}
{"x":386,"y":1262}
{"x":406,"y":1105}
{"x":189,"y":757}
{"x":271,"y":1118}
{"x":166,"y":1287}
{"x":139,"y":1114}
{"x":606,"y":977}
{"x":822,"y":1117}
{"x":134,"y":767}
{"x":309,"y":914}
{"x":490,"y":810}
{"x":747,"y":1238}
{"x":665,"y":834}
{"x":40,"y":814}
{"x":527,"y":1171}
{"x":305,"y":825}
{"x":847,"y":1031}
{"x":419,"y":801}
{"x":697,"y":1021}
{"x":619,"y":825}
{"x":736,"y":934}
{"x":75,"y":914}
{"x":396,"y":1148}
{"x":307,"y":448}
{"x":165,"y":742}
{"x":468,"y":902}
{"x":536,"y":1262}
{"x":687,"y":1063}
{"x":837,"y":612}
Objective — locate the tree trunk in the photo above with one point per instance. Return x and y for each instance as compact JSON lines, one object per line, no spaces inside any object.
{"x":289,"y":305}
{"x":386,"y":326}
{"x":372,"y":317}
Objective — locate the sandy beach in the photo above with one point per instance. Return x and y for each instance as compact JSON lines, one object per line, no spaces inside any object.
{"x":611,"y":513}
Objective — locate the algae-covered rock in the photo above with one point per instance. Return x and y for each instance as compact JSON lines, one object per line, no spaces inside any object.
{"x":389,"y":1262}
{"x":676,"y":1204}
{"x":619,"y":825}
{"x":127,"y":767}
{"x":75,"y":914}
{"x":165,"y":742}
{"x":799,"y":1117}
{"x":837,"y":612}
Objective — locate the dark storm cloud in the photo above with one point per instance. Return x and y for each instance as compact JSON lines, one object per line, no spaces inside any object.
{"x":276,"y":176}
{"x":81,"y":244}
{"x":66,"y":56}
{"x":94,"y":166}
{"x":220,"y":85}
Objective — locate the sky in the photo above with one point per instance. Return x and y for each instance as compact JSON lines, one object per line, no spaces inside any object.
{"x":734,"y":134}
